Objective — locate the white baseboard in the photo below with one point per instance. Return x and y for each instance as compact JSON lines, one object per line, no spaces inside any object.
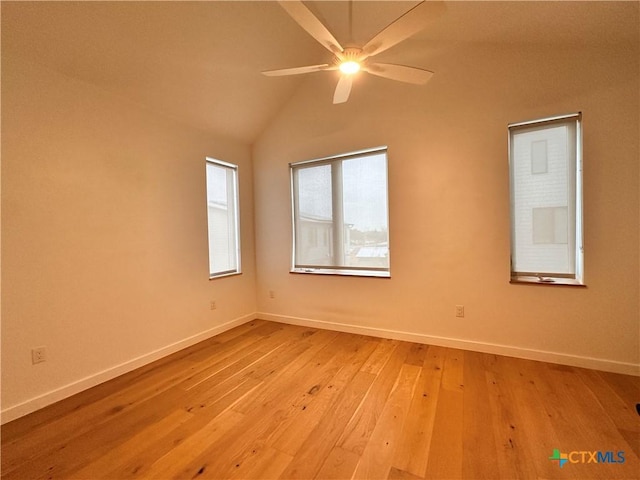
{"x":526,"y":353}
{"x":41,"y":401}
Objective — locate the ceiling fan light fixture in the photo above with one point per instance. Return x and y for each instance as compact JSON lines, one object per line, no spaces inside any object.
{"x":352,"y":59}
{"x":349,"y":67}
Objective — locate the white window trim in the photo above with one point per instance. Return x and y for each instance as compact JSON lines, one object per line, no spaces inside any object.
{"x":542,"y":278}
{"x":236,"y":223}
{"x":327,"y":270}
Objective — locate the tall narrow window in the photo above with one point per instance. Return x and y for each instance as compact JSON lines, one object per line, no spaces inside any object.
{"x":340,"y":214}
{"x":545,"y":164}
{"x":222,"y":212}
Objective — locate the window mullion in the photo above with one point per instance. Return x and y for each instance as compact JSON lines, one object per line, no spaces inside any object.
{"x":337,"y":214}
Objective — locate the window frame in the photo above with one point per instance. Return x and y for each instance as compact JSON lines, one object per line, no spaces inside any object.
{"x":575,"y":203}
{"x":234,"y":199}
{"x":378,"y":272}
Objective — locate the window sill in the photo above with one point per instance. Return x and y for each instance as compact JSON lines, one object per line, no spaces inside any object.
{"x":570,"y":282}
{"x":223,"y":275}
{"x":345,"y":272}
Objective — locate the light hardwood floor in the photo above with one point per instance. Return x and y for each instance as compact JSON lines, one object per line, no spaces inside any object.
{"x":267,"y":400}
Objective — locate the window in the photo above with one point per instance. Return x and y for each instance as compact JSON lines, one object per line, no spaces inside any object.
{"x":545,"y":166}
{"x":222,"y":213}
{"x":340,"y":214}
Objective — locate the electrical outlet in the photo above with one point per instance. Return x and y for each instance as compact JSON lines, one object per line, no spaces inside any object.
{"x":272,"y":294}
{"x":460,"y":311}
{"x":38,"y":355}
{"x":213,"y":305}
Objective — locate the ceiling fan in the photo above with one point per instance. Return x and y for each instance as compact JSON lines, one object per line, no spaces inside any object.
{"x":353,"y":59}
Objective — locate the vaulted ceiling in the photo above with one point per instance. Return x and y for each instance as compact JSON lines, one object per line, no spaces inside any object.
{"x":200,"y":62}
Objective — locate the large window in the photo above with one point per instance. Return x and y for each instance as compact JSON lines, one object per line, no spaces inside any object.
{"x":340,"y":214}
{"x":222,"y":211}
{"x":545,"y":164}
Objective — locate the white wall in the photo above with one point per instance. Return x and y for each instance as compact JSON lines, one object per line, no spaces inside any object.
{"x":449,"y":204}
{"x":104,"y":251}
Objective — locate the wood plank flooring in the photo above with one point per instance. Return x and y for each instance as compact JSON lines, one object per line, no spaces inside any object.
{"x":268,"y":400}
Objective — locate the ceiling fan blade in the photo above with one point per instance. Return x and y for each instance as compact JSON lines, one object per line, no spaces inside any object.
{"x":296,"y":70}
{"x":404,"y":27}
{"x":314,"y":27}
{"x":343,"y":89}
{"x":402,"y":73}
